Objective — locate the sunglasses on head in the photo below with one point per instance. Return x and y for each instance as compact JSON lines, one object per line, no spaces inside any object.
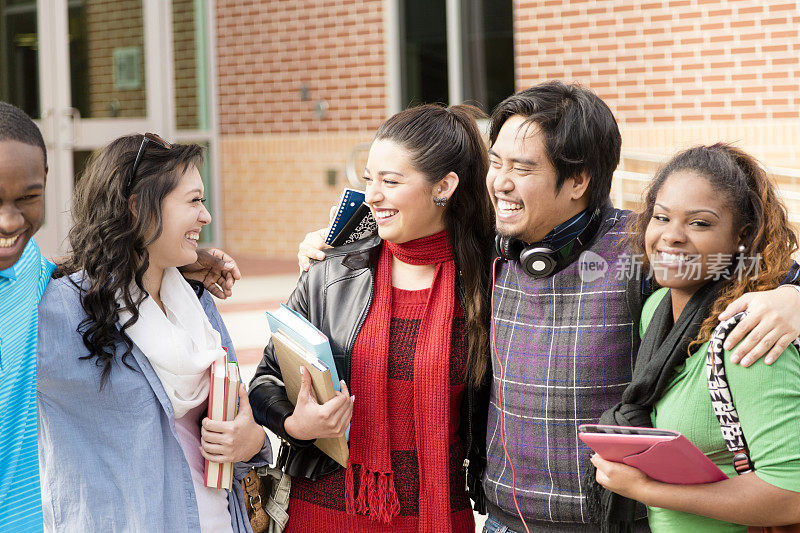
{"x":146,"y":139}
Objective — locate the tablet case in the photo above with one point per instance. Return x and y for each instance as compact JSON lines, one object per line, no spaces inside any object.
{"x":670,"y":458}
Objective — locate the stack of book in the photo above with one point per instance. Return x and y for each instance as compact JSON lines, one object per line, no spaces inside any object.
{"x":298,"y":343}
{"x":223,"y":402}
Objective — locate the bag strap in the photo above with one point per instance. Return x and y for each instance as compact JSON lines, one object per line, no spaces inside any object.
{"x":250,"y":485}
{"x":280,"y":462}
{"x":283,"y":455}
{"x":252,"y":494}
{"x":721,"y":397}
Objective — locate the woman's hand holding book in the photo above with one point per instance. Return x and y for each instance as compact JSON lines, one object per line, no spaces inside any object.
{"x":310,"y":420}
{"x":232,"y":441}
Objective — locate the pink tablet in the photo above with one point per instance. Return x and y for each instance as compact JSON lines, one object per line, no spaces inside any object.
{"x":662,"y":454}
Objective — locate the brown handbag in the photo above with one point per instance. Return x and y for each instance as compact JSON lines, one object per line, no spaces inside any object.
{"x":255,"y":492}
{"x":728,"y":417}
{"x":266,"y":494}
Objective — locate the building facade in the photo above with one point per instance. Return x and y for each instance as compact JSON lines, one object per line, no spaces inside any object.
{"x":287,"y":94}
{"x":675,"y":73}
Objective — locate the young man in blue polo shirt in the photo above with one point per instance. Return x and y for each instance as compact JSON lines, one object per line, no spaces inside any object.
{"x":24,"y":274}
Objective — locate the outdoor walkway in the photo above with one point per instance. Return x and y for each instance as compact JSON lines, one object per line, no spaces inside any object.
{"x":265,"y":284}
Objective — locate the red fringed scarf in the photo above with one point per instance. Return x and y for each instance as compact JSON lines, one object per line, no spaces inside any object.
{"x":369,"y":427}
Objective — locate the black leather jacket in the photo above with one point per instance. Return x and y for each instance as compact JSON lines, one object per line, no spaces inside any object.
{"x":335,"y":296}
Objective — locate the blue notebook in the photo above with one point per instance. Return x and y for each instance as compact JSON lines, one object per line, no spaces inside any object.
{"x":300,"y":330}
{"x":349,"y":203}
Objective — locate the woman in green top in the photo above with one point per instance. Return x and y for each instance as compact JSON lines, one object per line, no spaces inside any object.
{"x":712,"y":228}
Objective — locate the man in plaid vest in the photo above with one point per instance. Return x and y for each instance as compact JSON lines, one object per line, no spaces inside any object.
{"x":564,"y":332}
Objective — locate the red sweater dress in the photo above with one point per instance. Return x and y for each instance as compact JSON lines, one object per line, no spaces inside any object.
{"x":319,"y":506}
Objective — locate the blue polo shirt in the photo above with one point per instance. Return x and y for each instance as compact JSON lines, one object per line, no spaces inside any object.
{"x":21,"y":289}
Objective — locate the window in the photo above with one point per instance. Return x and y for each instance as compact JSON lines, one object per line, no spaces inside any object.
{"x":19,"y":56}
{"x":482,"y":46}
{"x":488,"y":52}
{"x":424,"y":49}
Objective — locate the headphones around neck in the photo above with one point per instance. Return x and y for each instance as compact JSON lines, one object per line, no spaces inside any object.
{"x":539,"y":260}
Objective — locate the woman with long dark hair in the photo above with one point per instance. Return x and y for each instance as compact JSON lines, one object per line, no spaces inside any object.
{"x":712,"y":228}
{"x":406,"y":314}
{"x":124,"y":350}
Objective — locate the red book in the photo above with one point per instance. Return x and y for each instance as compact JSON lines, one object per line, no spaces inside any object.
{"x":223,"y":399}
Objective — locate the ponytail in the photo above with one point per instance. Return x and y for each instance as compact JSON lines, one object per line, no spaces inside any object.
{"x":439,"y":141}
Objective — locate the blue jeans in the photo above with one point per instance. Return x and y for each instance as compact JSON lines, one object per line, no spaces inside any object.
{"x":493,"y":526}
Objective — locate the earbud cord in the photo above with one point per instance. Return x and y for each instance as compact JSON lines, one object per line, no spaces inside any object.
{"x":500,"y":399}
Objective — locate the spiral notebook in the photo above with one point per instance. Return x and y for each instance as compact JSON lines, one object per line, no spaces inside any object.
{"x":353,"y":220}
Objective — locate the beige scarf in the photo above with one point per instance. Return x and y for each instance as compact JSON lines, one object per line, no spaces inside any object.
{"x":180,"y":342}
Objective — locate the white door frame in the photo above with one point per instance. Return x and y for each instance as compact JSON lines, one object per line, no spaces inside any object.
{"x":65,"y":131}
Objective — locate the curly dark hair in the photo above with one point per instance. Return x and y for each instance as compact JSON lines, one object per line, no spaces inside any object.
{"x":442,"y":140}
{"x":111,"y":233}
{"x":751,"y":196}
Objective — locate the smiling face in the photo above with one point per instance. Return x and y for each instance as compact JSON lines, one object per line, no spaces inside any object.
{"x":400,"y":197}
{"x":522,"y":184}
{"x":183,"y":215}
{"x":22,"y":181}
{"x":691,"y":223}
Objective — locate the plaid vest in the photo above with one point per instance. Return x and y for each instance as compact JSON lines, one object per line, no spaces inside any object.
{"x":566,"y":344}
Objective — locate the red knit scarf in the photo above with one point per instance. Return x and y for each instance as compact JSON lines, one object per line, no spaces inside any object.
{"x":369,"y":427}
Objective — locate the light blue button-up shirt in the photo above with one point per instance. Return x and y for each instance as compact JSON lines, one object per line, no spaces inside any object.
{"x":111,"y":459}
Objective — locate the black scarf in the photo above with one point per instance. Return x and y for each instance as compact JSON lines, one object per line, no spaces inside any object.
{"x":664,"y":346}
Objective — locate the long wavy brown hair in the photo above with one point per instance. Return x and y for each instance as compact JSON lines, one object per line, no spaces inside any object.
{"x":752,"y":198}
{"x":110,"y":235}
{"x":442,"y":140}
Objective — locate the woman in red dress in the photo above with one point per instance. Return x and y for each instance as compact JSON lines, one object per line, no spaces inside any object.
{"x":406,"y":314}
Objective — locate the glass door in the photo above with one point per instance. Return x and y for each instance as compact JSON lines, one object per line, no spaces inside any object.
{"x":87,"y":71}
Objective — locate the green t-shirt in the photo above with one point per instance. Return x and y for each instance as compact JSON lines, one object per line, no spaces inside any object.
{"x":768,"y":401}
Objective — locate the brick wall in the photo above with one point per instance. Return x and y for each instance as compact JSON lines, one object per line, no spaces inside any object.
{"x":675,"y":72}
{"x":278,"y":193}
{"x":275,"y":152}
{"x":112,"y":24}
{"x":667,"y":61}
{"x":268,"y":50}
